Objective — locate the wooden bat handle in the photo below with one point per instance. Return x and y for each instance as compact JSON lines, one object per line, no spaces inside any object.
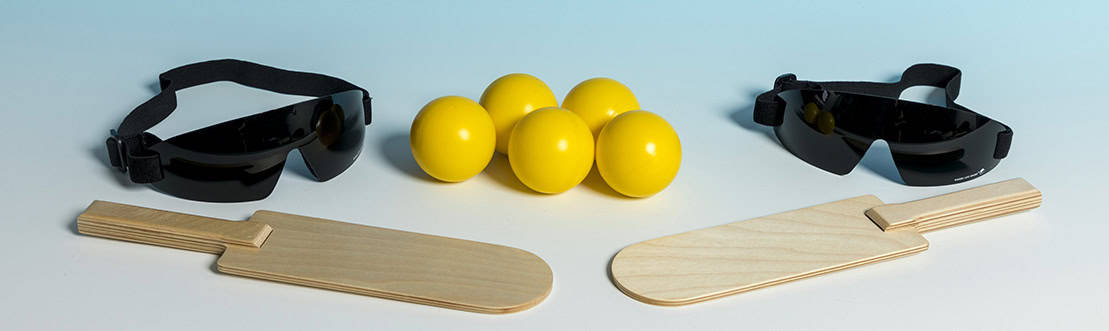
{"x":165,"y":228}
{"x":956,"y":208}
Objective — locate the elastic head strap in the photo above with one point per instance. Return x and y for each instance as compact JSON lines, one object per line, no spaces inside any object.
{"x":127,"y":146}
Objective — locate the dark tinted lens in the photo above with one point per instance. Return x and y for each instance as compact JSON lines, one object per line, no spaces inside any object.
{"x":218,"y":179}
{"x":931,"y":145}
{"x":258,"y":133}
{"x":897,"y":121}
{"x":339,"y":126}
{"x":948,"y":162}
{"x":809,"y":130}
{"x":242,"y":159}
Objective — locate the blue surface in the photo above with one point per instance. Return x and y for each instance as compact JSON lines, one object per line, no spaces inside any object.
{"x":71,"y":71}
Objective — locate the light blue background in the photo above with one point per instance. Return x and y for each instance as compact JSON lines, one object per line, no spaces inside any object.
{"x":69,"y":72}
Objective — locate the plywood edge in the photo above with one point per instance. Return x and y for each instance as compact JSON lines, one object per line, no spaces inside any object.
{"x":505,"y":309}
{"x":662,"y":301}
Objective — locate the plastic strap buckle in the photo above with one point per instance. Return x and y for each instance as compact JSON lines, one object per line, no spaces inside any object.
{"x":117,"y":151}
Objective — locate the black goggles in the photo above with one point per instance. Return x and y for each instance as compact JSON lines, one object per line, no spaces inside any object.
{"x":241,"y":159}
{"x":831,"y":125}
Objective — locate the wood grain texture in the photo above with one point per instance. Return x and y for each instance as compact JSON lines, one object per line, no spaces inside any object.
{"x":406,"y":266}
{"x":400,"y":265}
{"x":956,"y":208}
{"x":732,"y":258}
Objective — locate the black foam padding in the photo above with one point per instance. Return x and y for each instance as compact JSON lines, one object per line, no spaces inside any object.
{"x":144,"y":168}
{"x":769,"y":112}
{"x":1004,"y":140}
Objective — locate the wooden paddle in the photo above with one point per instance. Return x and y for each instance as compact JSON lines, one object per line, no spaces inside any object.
{"x":419,"y":268}
{"x":711,"y":263}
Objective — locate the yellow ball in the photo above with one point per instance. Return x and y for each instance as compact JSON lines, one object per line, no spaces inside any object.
{"x":826,"y":123}
{"x":638,"y":154}
{"x":811,"y":112}
{"x":452,"y":138}
{"x":599,"y":100}
{"x":551,"y":150}
{"x":512,"y":96}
